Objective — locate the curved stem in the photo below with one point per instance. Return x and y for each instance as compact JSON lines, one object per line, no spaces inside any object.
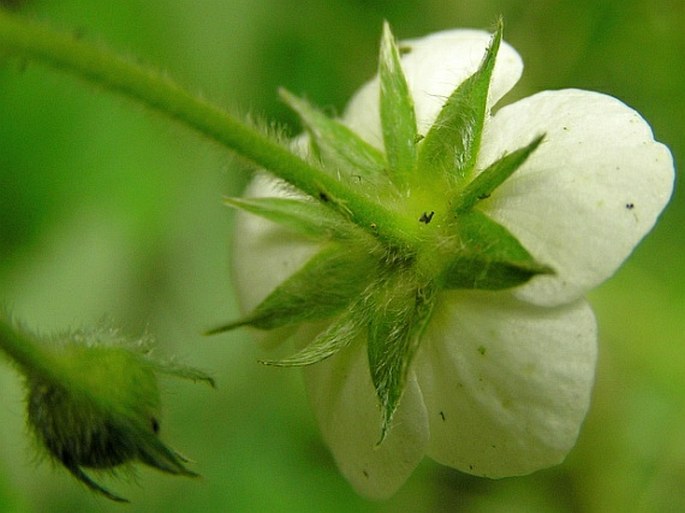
{"x":24,"y":351}
{"x":66,"y":52}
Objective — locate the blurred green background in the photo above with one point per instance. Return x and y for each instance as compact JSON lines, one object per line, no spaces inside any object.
{"x":106,"y":209}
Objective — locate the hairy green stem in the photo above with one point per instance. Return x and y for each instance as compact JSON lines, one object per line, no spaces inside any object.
{"x":66,"y":52}
{"x":29,"y":356}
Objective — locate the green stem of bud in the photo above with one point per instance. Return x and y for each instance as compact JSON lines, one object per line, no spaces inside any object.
{"x":38,"y":42}
{"x":24,"y":351}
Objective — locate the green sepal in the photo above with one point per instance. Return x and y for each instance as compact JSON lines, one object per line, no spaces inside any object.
{"x":157,"y":455}
{"x":399,"y":311}
{"x":307,"y":217}
{"x":451,"y":145}
{"x":347,"y":328}
{"x":486,"y":182}
{"x":179,"y":370}
{"x":79,"y":474}
{"x":327,"y":283}
{"x":398,"y":119}
{"x":338,"y":147}
{"x":490,"y":258}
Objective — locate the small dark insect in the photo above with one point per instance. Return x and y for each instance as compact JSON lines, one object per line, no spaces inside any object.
{"x":630,"y":206}
{"x":442,"y":415}
{"x":155,"y":425}
{"x":426,"y":217}
{"x":324,"y":197}
{"x":483,"y":196}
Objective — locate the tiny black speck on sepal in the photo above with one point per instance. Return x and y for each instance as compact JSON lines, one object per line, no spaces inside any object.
{"x":426,"y":217}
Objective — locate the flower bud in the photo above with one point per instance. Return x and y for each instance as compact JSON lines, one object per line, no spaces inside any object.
{"x":76,"y":424}
{"x":100,"y":410}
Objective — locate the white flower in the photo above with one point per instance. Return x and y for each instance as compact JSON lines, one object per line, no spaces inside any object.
{"x":501,"y":380}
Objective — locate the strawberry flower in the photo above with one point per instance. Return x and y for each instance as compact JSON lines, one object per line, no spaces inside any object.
{"x":464,"y":336}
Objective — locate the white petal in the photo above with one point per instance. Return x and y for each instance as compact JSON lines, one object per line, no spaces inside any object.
{"x":586,"y":196}
{"x":434,"y":67}
{"x":265,"y":254}
{"x":506,"y":384}
{"x":349,"y":416}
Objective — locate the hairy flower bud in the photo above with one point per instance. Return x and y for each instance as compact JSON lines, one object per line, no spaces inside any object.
{"x":75,"y":424}
{"x":99,"y":407}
